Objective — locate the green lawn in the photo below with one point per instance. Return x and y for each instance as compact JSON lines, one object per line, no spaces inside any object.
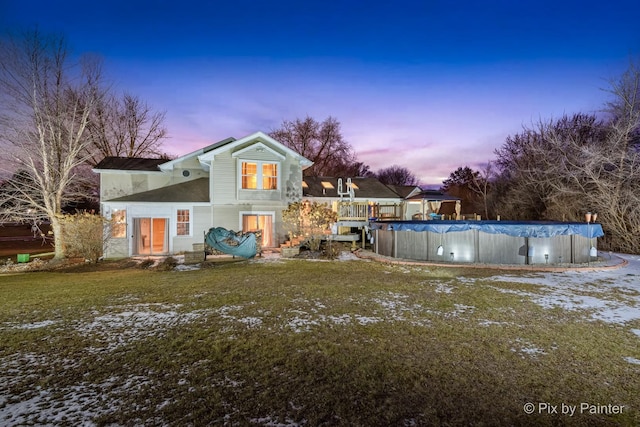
{"x":302,"y":343}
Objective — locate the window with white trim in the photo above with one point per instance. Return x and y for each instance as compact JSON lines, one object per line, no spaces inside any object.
{"x":183,"y":222}
{"x":259,"y":175}
{"x":119,"y":223}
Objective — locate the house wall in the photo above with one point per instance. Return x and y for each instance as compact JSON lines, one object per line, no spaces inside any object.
{"x":225,"y":178}
{"x":227,"y":200}
{"x":200,"y":224}
{"x":116,"y":248}
{"x":229,"y":217}
{"x":119,"y":184}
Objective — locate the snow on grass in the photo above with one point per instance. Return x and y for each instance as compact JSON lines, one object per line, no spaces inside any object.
{"x":34,"y":325}
{"x":274,"y":422}
{"x":632,"y":360}
{"x":124,"y":324}
{"x":612,"y":296}
{"x":525,"y":348}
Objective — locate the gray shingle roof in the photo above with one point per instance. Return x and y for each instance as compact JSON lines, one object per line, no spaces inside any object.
{"x":130,"y":163}
{"x":433,"y":195}
{"x":191,"y":191}
{"x":367,"y":188}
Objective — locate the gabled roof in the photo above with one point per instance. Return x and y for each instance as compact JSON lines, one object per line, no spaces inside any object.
{"x":169,"y":165}
{"x":405,"y":190}
{"x":257,"y":137}
{"x":129,"y":164}
{"x":367,"y":188}
{"x":433,"y":195}
{"x":195,"y":191}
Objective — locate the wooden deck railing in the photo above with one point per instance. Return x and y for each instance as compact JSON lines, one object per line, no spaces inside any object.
{"x":362,"y":211}
{"x":353,"y":211}
{"x":387,"y":211}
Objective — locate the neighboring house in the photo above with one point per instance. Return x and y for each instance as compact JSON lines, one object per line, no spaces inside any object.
{"x":432,"y":204}
{"x":163,"y":207}
{"x":380,"y":200}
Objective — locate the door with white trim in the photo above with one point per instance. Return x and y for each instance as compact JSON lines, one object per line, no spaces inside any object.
{"x":150,"y":236}
{"x":262,"y":221}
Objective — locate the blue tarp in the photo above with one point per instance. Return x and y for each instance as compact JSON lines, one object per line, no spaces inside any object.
{"x":229,"y":242}
{"x":510,"y":228}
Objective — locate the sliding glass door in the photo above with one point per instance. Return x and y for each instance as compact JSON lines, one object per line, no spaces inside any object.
{"x":262,"y":222}
{"x":150,"y":236}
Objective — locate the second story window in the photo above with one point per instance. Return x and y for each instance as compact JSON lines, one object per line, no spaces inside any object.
{"x":259,"y":176}
{"x":269,"y":176}
{"x":249,"y":175}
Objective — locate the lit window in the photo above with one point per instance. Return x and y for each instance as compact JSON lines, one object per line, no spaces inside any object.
{"x":354,"y":186}
{"x":259,"y":176}
{"x":119,"y":223}
{"x":249,"y":175}
{"x":304,"y":185}
{"x":269,"y":176}
{"x":183,"y":222}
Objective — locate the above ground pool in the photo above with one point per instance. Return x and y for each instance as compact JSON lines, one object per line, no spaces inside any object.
{"x":488,"y":242}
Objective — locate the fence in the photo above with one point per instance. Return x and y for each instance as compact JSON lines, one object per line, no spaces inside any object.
{"x":475,"y":246}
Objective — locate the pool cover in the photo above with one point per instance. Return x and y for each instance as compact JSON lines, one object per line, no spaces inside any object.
{"x":510,"y":228}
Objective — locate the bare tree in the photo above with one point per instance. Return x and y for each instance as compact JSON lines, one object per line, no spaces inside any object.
{"x":124,"y":127}
{"x":396,"y":175}
{"x":473,"y":187}
{"x":322,"y":143}
{"x":574,"y":165}
{"x":530,"y":164}
{"x":47,"y":101}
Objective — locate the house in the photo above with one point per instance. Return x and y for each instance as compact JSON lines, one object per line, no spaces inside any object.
{"x":162,"y":207}
{"x":432,"y":204}
{"x":359,"y":198}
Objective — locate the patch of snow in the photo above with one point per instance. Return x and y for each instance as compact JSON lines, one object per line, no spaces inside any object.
{"x":366,"y":320}
{"x":134,"y":322}
{"x":187,"y":267}
{"x":492,"y":323}
{"x":298,"y":324}
{"x":34,"y":325}
{"x":441,"y":288}
{"x":273,"y":422}
{"x":526,"y":348}
{"x":636,"y":331}
{"x":632,"y":360}
{"x":347,"y":256}
{"x":612,"y":296}
{"x":251,"y":321}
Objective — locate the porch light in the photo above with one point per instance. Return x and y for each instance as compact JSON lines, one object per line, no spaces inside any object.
{"x":546,"y":258}
{"x":451,"y":254}
{"x":440,"y":250}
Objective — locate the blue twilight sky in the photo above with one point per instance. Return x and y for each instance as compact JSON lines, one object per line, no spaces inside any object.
{"x":429,"y":85}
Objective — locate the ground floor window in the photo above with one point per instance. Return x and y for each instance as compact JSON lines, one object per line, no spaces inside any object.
{"x":262,"y":222}
{"x":119,"y":223}
{"x":184,"y":222}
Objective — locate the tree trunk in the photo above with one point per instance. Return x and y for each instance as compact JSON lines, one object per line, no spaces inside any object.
{"x":58,"y":239}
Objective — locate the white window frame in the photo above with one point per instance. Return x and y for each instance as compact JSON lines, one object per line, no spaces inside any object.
{"x":123,"y":226}
{"x":259,"y":176}
{"x":272,"y":214}
{"x":190,"y":210}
